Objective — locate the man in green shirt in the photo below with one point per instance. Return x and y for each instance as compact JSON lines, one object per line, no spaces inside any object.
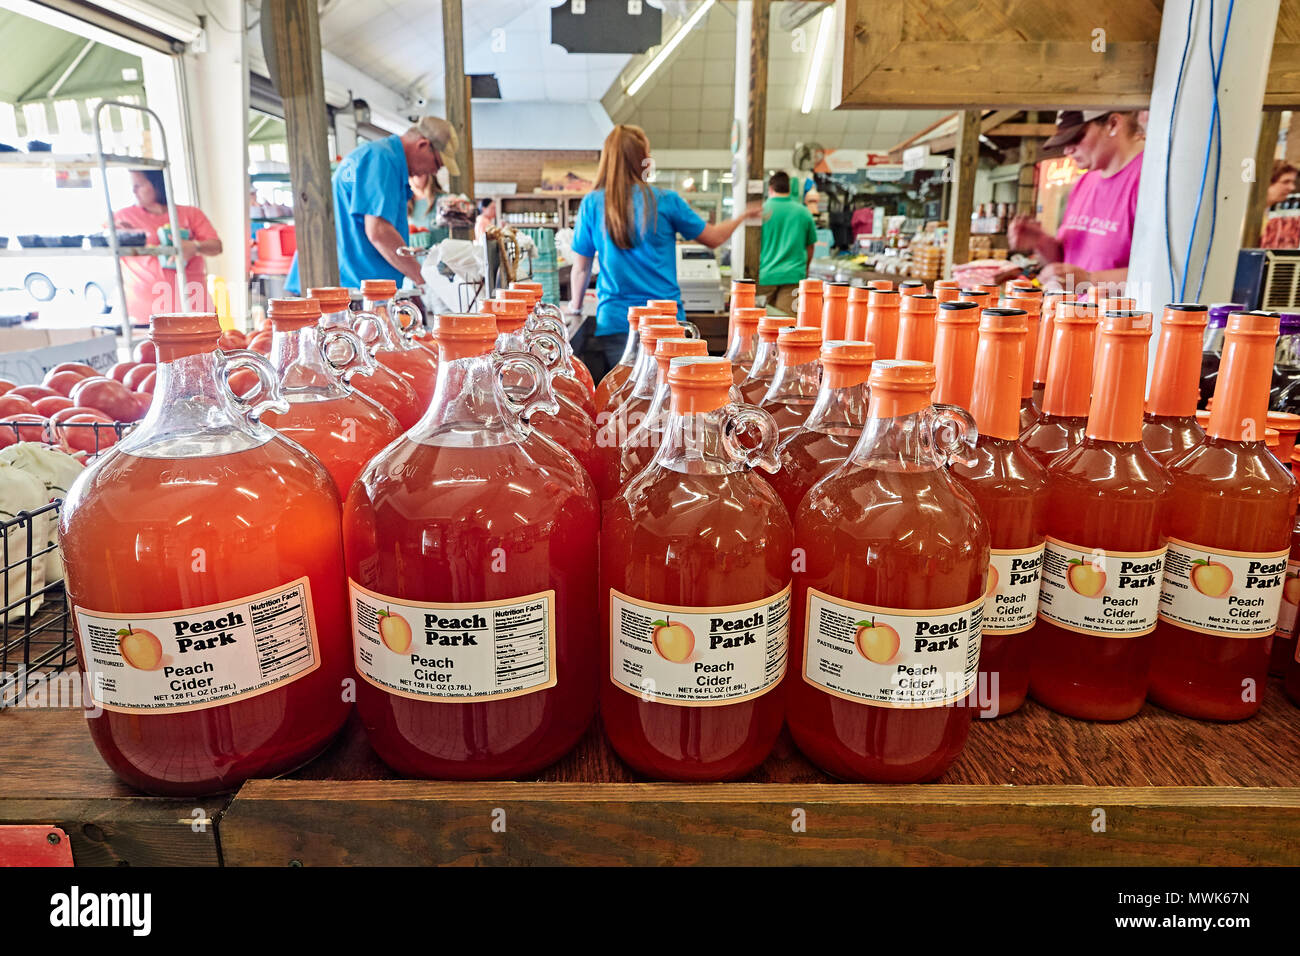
{"x":789,"y":235}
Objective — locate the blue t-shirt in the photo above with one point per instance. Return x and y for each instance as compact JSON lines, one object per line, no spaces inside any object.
{"x":648,"y":270}
{"x":372,"y":180}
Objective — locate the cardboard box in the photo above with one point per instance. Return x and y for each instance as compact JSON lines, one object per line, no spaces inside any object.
{"x":27,"y":353}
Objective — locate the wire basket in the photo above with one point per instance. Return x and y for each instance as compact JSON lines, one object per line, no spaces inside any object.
{"x":36,"y":633}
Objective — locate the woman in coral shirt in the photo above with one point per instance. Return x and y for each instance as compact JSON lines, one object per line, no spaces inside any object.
{"x":151,"y":285}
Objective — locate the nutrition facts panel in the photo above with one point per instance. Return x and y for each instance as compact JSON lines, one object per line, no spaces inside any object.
{"x":519,"y":636}
{"x":282,"y":632}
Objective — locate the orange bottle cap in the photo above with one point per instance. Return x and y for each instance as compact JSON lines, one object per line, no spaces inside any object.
{"x":1284,"y":422}
{"x":1175,"y":378}
{"x":995,"y":394}
{"x":955,"y":343}
{"x":769,"y":326}
{"x":846,"y":363}
{"x":899,"y":387}
{"x":883,"y":299}
{"x":798,"y":345}
{"x":698,"y":383}
{"x":516,"y":295}
{"x":659,"y":318}
{"x":880,"y":285}
{"x":919,"y":302}
{"x":881,"y":328}
{"x":992,"y":288}
{"x":1033,"y":306}
{"x":377,"y":289}
{"x":860,"y":293}
{"x":947,"y":284}
{"x":464,"y":335}
{"x":811,"y":285}
{"x":1022,"y":299}
{"x":663,"y":305}
{"x":1069,"y":371}
{"x":916,"y":327}
{"x":978,"y":296}
{"x":1203,"y":417}
{"x":748,"y":317}
{"x":1240,"y":409}
{"x":1115,"y":413}
{"x":740,"y":285}
{"x":909,"y":287}
{"x":946,"y":294}
{"x":1117,"y":304}
{"x":178,"y":334}
{"x":288,"y":315}
{"x":1272,"y":438}
{"x":636,"y":312}
{"x":527,"y":284}
{"x":668,"y":349}
{"x":809,"y":310}
{"x":652,"y":334}
{"x":836,"y":290}
{"x":511,"y":314}
{"x":1042,"y":354}
{"x":332,"y":298}
{"x":1022,"y":283}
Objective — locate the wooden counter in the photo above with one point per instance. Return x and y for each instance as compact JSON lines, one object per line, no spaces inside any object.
{"x":1033,"y":787}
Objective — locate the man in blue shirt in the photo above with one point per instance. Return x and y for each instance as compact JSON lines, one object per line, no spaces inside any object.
{"x":371,"y":187}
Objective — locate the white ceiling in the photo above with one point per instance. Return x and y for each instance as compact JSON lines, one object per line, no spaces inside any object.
{"x":687,"y":105}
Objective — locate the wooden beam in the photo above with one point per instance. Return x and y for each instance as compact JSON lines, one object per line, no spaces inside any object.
{"x":467,"y":142}
{"x":456,"y":92}
{"x":963,"y":189}
{"x":756,"y":141}
{"x":1023,"y":129}
{"x":1030,"y":149}
{"x":299,"y":79}
{"x":1270,"y":122}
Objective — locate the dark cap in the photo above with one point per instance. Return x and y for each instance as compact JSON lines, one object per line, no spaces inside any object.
{"x":1070,"y":125}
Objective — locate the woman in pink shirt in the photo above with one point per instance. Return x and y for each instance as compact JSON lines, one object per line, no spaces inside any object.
{"x":1092,"y":245}
{"x":151,"y":286}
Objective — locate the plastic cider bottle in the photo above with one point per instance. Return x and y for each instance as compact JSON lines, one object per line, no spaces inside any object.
{"x":809,"y":307}
{"x":540,"y":308}
{"x":1106,"y":504}
{"x":391,"y":346}
{"x":392,"y":392}
{"x":835,"y":310}
{"x":643,"y":368}
{"x":1284,"y":639}
{"x":1170,"y":428}
{"x":1229,"y":527}
{"x":1068,"y":394}
{"x":887,"y":611}
{"x":855,"y":317}
{"x":205,"y":572}
{"x":1031,"y":301}
{"x":833,"y":426}
{"x":612,"y":433}
{"x":978,"y":296}
{"x":1009,"y":485}
{"x":797,"y":381}
{"x":1046,"y":327}
{"x":742,"y":347}
{"x":343,"y":428}
{"x":956,"y":341}
{"x":916,"y":327}
{"x":695,"y":591}
{"x":759,"y":379}
{"x":644,"y":438}
{"x":619,"y":373}
{"x":882,"y":322}
{"x":512,"y":335}
{"x":471,"y":552}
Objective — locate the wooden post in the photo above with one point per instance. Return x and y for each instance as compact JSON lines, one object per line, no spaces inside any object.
{"x":963,"y":191}
{"x":756,"y":141}
{"x":456,"y":87}
{"x":1270,"y":122}
{"x":300,"y":81}
{"x":466,"y":156}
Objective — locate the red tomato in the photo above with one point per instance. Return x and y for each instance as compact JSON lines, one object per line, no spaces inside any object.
{"x":34,"y":428}
{"x":261,"y":342}
{"x":74,"y":428}
{"x":84,"y":370}
{"x":64,"y":414}
{"x":120,"y":369}
{"x":51,"y":404}
{"x":6,"y":385}
{"x":242,"y":381}
{"x":64,"y":382}
{"x":138,"y":375}
{"x":144,"y":400}
{"x":112,"y":398}
{"x":232,"y":339}
{"x":15,"y":405}
{"x":145,"y":352}
{"x":32,"y":392}
{"x":146,"y":386}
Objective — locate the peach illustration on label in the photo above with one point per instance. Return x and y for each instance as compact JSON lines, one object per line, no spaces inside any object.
{"x":1291,"y":589}
{"x":993,"y":581}
{"x":394,"y":632}
{"x":140,"y":648}
{"x":1211,"y":578}
{"x":673,"y":641}
{"x":1084,"y":579}
{"x":878,"y":643}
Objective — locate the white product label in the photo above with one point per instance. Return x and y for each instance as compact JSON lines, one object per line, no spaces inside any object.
{"x":200,"y":657}
{"x":1228,"y":593}
{"x":698,"y":656}
{"x":449,"y":652}
{"x":1286,"y":612}
{"x":890,"y":657}
{"x":1012,"y":602}
{"x":1095,"y":591}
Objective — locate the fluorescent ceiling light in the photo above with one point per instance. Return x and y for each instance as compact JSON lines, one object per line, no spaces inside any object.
{"x":819,"y":57}
{"x":666,"y":50}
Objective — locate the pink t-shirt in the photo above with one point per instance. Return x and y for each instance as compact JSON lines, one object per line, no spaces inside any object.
{"x":1097,"y":229}
{"x":150,"y":288}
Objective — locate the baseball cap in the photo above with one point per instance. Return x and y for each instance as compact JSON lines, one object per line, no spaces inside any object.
{"x":442,"y":137}
{"x":1070,"y":125}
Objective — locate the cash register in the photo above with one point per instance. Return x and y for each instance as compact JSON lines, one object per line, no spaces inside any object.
{"x":699,"y":278}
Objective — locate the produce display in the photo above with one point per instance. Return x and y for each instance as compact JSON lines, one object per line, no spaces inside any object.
{"x":862,"y":523}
